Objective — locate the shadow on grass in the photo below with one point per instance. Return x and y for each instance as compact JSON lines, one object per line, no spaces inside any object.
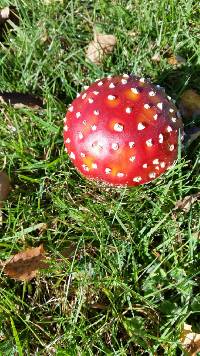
{"x":176,"y":81}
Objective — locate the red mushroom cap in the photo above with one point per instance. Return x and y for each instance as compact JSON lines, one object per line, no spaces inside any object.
{"x":122,"y":130}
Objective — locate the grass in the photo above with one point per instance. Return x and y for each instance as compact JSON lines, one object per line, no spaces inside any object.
{"x":124,"y":275}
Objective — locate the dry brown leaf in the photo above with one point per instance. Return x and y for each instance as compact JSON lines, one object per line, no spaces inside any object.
{"x":190,"y":340}
{"x":176,"y":60}
{"x":24,"y":265}
{"x":189,"y":104}
{"x":185,"y":203}
{"x":4,"y":187}
{"x":4,"y":190}
{"x":101,"y":46}
{"x":98,"y":306}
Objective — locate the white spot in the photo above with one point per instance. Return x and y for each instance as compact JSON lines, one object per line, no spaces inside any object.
{"x":171,"y":110}
{"x":82,"y":154}
{"x":71,"y":108}
{"x":135,"y":90}
{"x":84,"y":122}
{"x":112,"y":85}
{"x":160,"y":138}
{"x":66,"y":128}
{"x":158,"y":86}
{"x":174,"y":119}
{"x":131,"y":144}
{"x":94,"y":128}
{"x":152,"y":175}
{"x":111,"y":97}
{"x":149,"y":142}
{"x":156,"y":161}
{"x":152,"y":93}
{"x":77,"y":95}
{"x":90,"y":100}
{"x":142,"y":80}
{"x":115,"y":146}
{"x":84,"y":96}
{"x":80,"y":135}
{"x":118,"y":127}
{"x":107,"y":170}
{"x":65,"y":119}
{"x":144,"y":165}
{"x":168,"y":97}
{"x":85,"y":167}
{"x":95,"y":92}
{"x":72,"y":155}
{"x":137,"y":179}
{"x":141,"y":126}
{"x":155,"y":116}
{"x":157,"y":167}
{"x":100,"y":84}
{"x":86,"y":87}
{"x":78,"y":114}
{"x":120,"y":174}
{"x":160,"y":106}
{"x":109,"y":76}
{"x":67,"y":140}
{"x":66,"y":150}
{"x":132,"y":158}
{"x":94,"y":165}
{"x":129,"y":110}
{"x":162,"y":164}
{"x":171,"y":147}
{"x":146,"y":106}
{"x":124,"y":81}
{"x":96,"y":112}
{"x":125,"y":75}
{"x":169,"y":129}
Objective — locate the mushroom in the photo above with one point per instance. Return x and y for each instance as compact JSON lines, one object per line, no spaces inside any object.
{"x":122,"y":130}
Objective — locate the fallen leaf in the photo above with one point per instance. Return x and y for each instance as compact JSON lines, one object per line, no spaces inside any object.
{"x":19,"y":100}
{"x":189,"y":104}
{"x":156,"y":57}
{"x":101,"y":46}
{"x":98,"y":306}
{"x":132,"y":33}
{"x":9,"y":18}
{"x":185,"y":203}
{"x":4,"y":187}
{"x":4,"y":190}
{"x":2,"y":337}
{"x":4,"y":14}
{"x":176,"y":60}
{"x":24,"y":265}
{"x":190,"y":340}
{"x":44,"y":38}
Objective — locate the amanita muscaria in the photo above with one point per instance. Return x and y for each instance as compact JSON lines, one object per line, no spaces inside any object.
{"x":122,"y":130}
